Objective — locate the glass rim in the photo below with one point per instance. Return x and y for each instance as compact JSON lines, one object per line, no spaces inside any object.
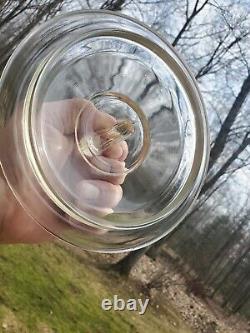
{"x":192,"y":91}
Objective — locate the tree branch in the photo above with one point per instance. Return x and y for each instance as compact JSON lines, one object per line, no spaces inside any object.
{"x":113,"y":4}
{"x":221,"y":139}
{"x":188,"y":21}
{"x":210,"y":183}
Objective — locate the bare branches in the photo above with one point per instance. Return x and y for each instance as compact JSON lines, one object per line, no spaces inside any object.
{"x":189,"y":19}
{"x":221,"y":138}
{"x":88,"y":4}
{"x":218,"y":54}
{"x":210,"y":183}
{"x":17,"y":18}
{"x":113,"y":4}
{"x":229,"y":31}
{"x":187,"y":9}
{"x":14,"y":12}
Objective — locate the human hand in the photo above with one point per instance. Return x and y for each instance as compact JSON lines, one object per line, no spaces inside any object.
{"x":99,"y":193}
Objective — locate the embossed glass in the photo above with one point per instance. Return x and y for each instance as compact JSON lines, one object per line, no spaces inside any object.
{"x":131,"y":73}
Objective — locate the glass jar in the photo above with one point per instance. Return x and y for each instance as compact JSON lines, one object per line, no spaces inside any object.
{"x":99,"y":60}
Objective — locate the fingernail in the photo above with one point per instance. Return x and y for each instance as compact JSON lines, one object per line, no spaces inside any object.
{"x":89,"y":191}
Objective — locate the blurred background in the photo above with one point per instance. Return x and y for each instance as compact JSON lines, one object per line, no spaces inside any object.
{"x":198,"y":278}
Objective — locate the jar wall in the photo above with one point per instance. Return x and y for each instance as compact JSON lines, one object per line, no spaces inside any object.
{"x":46,"y":68}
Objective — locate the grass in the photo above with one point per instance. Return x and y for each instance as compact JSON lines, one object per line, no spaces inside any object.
{"x":47,"y":288}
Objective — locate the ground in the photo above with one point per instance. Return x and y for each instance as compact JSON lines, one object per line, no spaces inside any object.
{"x":50,"y":289}
{"x":53,"y":289}
{"x":203,"y":315}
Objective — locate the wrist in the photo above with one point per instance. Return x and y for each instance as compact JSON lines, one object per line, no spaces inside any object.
{"x":3,"y":202}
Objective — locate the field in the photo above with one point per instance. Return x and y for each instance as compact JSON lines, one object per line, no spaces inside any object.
{"x":50,"y":289}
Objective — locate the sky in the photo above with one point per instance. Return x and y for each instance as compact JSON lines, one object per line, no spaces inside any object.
{"x":218,"y":90}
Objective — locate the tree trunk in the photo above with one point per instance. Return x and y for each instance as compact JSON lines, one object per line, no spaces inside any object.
{"x":242,"y":302}
{"x":124,"y":266}
{"x":242,"y":286}
{"x":221,"y":252}
{"x":234,"y":266}
{"x":216,"y":151}
{"x":226,"y":126}
{"x":211,"y":182}
{"x":154,"y":250}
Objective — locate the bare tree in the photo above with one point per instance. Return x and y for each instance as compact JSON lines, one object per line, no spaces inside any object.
{"x":236,"y":263}
{"x":226,"y":150}
{"x":217,"y":259}
{"x":17,"y":18}
{"x":189,"y":17}
{"x":222,"y":137}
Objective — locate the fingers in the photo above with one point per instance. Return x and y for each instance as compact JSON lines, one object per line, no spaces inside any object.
{"x":115,"y":169}
{"x":101,"y":120}
{"x":124,"y":155}
{"x":98,"y":197}
{"x":118,"y":151}
{"x":96,"y":171}
{"x":62,"y":115}
{"x":99,"y":193}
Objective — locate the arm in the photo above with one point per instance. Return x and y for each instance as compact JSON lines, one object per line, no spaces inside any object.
{"x":16,"y":226}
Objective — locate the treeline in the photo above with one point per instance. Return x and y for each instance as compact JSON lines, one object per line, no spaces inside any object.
{"x":219,"y":255}
{"x":213,"y":36}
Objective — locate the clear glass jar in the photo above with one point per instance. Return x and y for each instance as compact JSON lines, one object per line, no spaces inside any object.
{"x":130,"y":73}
